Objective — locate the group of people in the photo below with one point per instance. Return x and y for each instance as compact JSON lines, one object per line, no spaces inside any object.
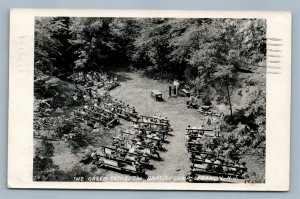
{"x":136,"y":145}
{"x":210,"y":154}
{"x":160,"y":126}
{"x":108,"y":111}
{"x":139,"y":141}
{"x":120,"y":108}
{"x":117,"y":157}
{"x":91,"y":78}
{"x":89,"y":86}
{"x":192,"y":101}
{"x":220,"y":166}
{"x":154,"y":119}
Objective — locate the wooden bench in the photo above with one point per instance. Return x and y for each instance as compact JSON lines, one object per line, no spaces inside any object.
{"x":201,"y":175}
{"x":202,"y":132}
{"x":142,"y":159}
{"x":158,"y":120}
{"x":234,"y":171}
{"x":185,"y":92}
{"x":156,"y":94}
{"x":122,"y":165}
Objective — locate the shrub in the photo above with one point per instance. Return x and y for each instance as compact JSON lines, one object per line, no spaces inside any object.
{"x":41,"y":164}
{"x":46,"y":149}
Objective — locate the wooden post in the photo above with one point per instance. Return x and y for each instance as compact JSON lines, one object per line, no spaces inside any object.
{"x":228,"y":95}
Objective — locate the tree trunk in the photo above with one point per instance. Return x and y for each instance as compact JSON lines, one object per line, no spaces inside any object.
{"x":229,"y":100}
{"x":161,"y":70}
{"x":160,"y":61}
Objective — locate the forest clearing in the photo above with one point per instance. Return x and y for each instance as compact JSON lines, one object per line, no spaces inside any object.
{"x":164,"y":100}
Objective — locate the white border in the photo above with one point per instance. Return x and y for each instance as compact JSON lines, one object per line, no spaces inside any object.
{"x":20,"y":142}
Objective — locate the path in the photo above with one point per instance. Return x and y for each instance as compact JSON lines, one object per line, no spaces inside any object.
{"x":135,"y":90}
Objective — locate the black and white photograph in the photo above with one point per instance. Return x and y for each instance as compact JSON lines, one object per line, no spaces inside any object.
{"x":152,"y":100}
{"x":149,"y":99}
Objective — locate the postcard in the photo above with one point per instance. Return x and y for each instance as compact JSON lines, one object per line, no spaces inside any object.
{"x":149,"y":100}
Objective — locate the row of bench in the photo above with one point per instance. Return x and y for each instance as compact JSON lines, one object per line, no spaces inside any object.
{"x":106,"y":113}
{"x":132,"y":150}
{"x":206,"y":161}
{"x":94,"y":79}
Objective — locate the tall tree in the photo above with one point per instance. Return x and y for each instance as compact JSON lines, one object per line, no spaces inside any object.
{"x":94,"y":41}
{"x":65,"y":61}
{"x":225,"y":48}
{"x":46,"y":47}
{"x":153,"y":42}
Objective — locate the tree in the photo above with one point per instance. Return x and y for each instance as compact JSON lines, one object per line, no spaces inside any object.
{"x":153,"y":42}
{"x":54,"y":55}
{"x":224,"y":78}
{"x":125,"y":31}
{"x":46,"y":47}
{"x":64,"y":62}
{"x":186,"y":38}
{"x":226,"y":48}
{"x":209,"y":53}
{"x":97,"y":41}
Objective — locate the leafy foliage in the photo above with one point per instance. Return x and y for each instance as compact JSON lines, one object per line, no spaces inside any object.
{"x":46,"y":47}
{"x":46,"y":150}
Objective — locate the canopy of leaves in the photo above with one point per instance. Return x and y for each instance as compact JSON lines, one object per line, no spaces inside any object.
{"x":212,"y":55}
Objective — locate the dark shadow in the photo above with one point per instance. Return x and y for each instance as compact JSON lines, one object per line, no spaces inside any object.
{"x":145,"y":176}
{"x":149,"y":166}
{"x":160,"y":159}
{"x":166,"y":142}
{"x":122,"y":77}
{"x":118,"y":69}
{"x":161,"y":100}
{"x":153,"y":168}
{"x":163,"y":149}
{"x":86,"y":161}
{"x":193,"y":107}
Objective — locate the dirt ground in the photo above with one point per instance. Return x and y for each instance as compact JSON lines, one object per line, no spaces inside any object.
{"x":135,"y":90}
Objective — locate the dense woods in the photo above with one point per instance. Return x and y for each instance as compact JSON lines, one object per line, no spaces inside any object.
{"x":220,"y":60}
{"x":211,"y":55}
{"x":188,"y":48}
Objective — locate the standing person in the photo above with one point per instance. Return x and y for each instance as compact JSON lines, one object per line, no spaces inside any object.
{"x":176,"y":85}
{"x":174,"y":90}
{"x":170,"y":91}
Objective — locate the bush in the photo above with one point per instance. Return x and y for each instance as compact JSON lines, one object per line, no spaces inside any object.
{"x":65,"y":128}
{"x":46,"y":150}
{"x":69,"y":176}
{"x":41,"y":164}
{"x":80,"y":142}
{"x":206,"y":101}
{"x":39,"y":89}
{"x":55,"y":175}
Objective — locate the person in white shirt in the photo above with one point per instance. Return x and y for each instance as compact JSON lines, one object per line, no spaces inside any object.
{"x":176,"y":85}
